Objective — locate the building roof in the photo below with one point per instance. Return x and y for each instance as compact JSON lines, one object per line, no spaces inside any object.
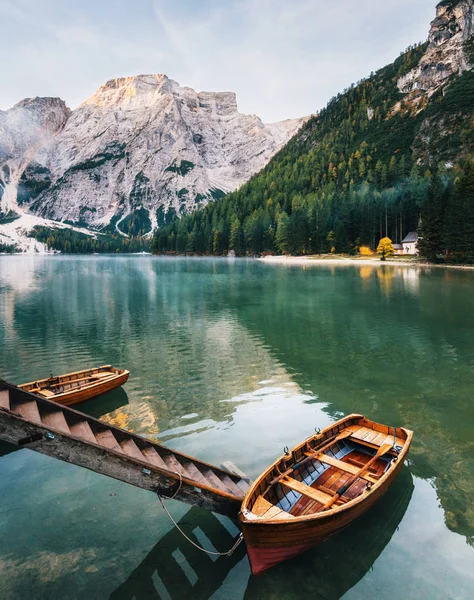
{"x":397,"y":246}
{"x":410,"y":238}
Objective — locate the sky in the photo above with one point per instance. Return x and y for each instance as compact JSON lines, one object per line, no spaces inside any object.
{"x":283,"y":58}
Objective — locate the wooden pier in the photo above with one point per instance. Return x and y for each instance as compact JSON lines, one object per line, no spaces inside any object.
{"x":69,"y":435}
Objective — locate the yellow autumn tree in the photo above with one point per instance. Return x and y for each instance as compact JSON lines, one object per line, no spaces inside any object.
{"x":385,"y":248}
{"x":365,"y":251}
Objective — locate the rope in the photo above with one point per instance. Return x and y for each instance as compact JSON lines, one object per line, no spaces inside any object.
{"x":228,"y":553}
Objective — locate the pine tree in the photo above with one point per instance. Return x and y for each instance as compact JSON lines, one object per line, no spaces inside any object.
{"x":235,"y":241}
{"x":431,"y":234}
{"x":281,"y":236}
{"x":459,"y":233}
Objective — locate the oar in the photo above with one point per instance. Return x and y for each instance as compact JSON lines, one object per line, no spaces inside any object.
{"x":342,"y":490}
{"x":341,"y":436}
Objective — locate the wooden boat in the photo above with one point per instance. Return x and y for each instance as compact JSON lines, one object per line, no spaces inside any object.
{"x":320,"y":487}
{"x":73,"y":388}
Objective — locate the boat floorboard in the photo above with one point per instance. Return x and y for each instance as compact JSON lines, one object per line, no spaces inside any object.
{"x":332,"y":479}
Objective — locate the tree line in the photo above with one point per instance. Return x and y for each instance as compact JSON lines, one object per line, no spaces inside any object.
{"x":354,"y":174}
{"x":69,"y":241}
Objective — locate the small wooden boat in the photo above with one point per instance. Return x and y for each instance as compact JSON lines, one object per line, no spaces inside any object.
{"x":320,"y":487}
{"x":73,"y":388}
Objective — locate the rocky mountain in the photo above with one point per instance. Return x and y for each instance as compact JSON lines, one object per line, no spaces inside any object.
{"x":138,"y":152}
{"x":27,"y":132}
{"x":366,"y":166}
{"x":447,"y":53}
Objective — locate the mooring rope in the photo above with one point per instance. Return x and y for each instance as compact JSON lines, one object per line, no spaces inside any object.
{"x":228,"y":553}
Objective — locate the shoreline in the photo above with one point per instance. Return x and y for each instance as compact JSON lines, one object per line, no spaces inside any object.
{"x":373,"y":262}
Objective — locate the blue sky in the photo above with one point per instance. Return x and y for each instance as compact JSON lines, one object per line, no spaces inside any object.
{"x":283,"y":58}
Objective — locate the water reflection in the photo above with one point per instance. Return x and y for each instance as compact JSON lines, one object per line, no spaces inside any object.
{"x":174,"y":569}
{"x":105,"y":404}
{"x":237,"y":359}
{"x":329,"y":570}
{"x":400,"y":350}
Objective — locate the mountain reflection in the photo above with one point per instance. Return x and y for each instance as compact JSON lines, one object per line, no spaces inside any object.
{"x":201,"y":338}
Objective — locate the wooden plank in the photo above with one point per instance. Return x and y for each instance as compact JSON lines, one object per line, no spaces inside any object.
{"x":195,"y":473}
{"x":153,"y":456}
{"x":83,"y":431}
{"x":371,"y":436}
{"x":46,"y":393}
{"x":175,"y":466}
{"x":129,"y":447}
{"x":230,"y":486}
{"x":28,"y":410}
{"x":361,"y":434}
{"x":379,"y":440}
{"x":305,"y":490}
{"x":244,"y":485}
{"x":5,"y":399}
{"x":56,"y":420}
{"x":342,"y":466}
{"x":107,"y":439}
{"x":359,"y":463}
{"x":277,"y":514}
{"x":261,"y":506}
{"x":215,"y":481}
{"x":364,"y":433}
{"x":264,"y":509}
{"x":333,"y":480}
{"x":229,"y":466}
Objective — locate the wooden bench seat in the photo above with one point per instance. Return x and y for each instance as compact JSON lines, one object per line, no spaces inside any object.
{"x":342,"y":466}
{"x":305,"y":490}
{"x":266,"y":510}
{"x":372,"y":438}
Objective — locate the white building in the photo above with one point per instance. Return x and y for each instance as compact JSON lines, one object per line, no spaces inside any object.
{"x":409,"y":244}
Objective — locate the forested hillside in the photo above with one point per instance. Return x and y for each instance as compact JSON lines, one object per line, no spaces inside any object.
{"x":360,"y":170}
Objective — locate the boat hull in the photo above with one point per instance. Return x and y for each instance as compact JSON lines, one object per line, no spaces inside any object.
{"x":83,"y":385}
{"x":271,"y":542}
{"x":98,"y":389}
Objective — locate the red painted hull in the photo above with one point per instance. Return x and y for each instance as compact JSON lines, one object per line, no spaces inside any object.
{"x":262,"y":559}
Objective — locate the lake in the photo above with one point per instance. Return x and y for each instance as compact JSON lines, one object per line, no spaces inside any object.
{"x":233,"y":360}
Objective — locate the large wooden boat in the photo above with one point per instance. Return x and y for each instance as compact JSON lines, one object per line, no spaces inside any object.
{"x":80,"y":386}
{"x":319,"y":488}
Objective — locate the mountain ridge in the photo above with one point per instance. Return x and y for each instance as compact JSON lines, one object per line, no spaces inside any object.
{"x":138,"y":152}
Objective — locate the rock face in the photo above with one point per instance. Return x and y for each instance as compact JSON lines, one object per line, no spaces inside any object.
{"x":139,"y":151}
{"x":448,"y":51}
{"x":26,"y":132}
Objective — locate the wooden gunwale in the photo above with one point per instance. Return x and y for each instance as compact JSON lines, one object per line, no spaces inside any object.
{"x":86,"y":390}
{"x":320,"y":518}
{"x":46,"y":379}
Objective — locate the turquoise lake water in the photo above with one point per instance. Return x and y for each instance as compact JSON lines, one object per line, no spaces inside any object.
{"x":233,"y":360}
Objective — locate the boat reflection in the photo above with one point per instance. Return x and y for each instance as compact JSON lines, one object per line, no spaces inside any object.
{"x":175,"y":569}
{"x":104,"y":404}
{"x":329,"y":570}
